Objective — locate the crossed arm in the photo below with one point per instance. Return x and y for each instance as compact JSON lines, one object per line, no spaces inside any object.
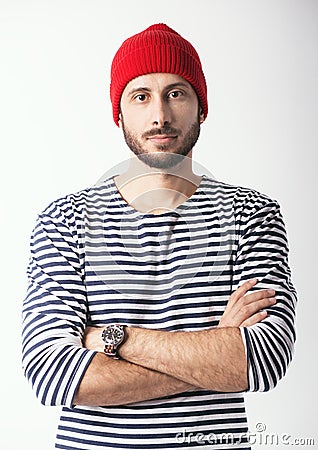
{"x":160,"y":363}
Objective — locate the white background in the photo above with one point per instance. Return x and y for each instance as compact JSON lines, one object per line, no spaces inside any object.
{"x":57,"y":136}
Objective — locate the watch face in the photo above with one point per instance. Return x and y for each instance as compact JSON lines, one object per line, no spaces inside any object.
{"x":113,"y":334}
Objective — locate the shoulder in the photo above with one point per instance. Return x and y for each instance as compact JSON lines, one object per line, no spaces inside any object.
{"x":74,"y":204}
{"x":241,"y":197}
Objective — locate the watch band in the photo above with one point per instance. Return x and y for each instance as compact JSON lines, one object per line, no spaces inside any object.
{"x":113,"y":336}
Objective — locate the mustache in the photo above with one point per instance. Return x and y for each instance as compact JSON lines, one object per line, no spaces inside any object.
{"x":158,"y":131}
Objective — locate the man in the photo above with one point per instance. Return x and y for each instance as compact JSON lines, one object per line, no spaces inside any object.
{"x":159,"y":296}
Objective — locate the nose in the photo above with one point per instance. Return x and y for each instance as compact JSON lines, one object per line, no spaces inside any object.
{"x":161,"y":113}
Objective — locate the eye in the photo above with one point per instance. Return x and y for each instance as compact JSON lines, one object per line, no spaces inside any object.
{"x":140,"y":98}
{"x":175,"y":94}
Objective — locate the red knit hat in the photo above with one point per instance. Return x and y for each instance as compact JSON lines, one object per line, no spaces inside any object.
{"x":156,"y":49}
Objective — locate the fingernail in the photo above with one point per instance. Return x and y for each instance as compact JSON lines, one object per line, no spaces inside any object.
{"x":253,"y":280}
{"x":272,"y":299}
{"x":271,"y":291}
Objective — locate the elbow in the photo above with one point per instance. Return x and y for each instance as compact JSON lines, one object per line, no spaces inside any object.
{"x":55,"y":377}
{"x":45,"y":376}
{"x":265,"y":383}
{"x":276,"y":372}
{"x":40,"y":388}
{"x":266,"y":371}
{"x":269,"y":355}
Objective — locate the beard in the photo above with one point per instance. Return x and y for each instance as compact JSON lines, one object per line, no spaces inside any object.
{"x":163,"y":158}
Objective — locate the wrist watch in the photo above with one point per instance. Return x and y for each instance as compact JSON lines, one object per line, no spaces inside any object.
{"x":113,"y":335}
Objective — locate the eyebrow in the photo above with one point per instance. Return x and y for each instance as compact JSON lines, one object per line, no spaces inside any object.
{"x":167,"y":88}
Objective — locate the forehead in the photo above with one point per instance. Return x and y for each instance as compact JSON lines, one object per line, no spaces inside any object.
{"x":156,"y":81}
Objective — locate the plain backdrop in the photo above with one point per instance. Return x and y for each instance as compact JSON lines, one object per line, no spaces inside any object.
{"x":57,"y":137}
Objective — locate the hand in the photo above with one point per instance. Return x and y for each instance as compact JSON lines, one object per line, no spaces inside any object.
{"x":92,"y":339}
{"x":245,"y":310}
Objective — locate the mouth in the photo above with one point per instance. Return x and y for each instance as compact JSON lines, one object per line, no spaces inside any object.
{"x":162,"y":139}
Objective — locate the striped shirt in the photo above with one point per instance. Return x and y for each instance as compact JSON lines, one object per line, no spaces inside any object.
{"x":96,"y":260}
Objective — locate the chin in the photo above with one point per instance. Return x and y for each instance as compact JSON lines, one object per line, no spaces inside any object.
{"x":161,"y":160}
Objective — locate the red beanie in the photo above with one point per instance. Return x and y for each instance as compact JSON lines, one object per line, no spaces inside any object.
{"x":158,"y":49}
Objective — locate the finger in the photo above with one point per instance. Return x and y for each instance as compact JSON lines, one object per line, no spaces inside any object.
{"x":256,"y":318}
{"x":241,"y":291}
{"x":257,"y":300}
{"x":258,"y":295}
{"x":249,"y":310}
{"x":236,"y":318}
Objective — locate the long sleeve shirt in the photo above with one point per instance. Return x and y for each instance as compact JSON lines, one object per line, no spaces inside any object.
{"x":96,"y":260}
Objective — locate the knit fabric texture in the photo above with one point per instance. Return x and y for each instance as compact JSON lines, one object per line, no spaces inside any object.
{"x":158,"y":49}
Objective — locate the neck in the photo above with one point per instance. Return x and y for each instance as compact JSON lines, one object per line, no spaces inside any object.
{"x":155,"y":191}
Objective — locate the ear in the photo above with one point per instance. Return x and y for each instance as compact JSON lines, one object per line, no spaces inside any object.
{"x":120,"y":120}
{"x":202,"y":117}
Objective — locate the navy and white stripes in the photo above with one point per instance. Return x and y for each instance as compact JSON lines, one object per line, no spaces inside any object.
{"x":96,"y":260}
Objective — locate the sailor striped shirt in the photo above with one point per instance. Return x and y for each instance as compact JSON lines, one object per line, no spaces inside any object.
{"x":96,"y":260}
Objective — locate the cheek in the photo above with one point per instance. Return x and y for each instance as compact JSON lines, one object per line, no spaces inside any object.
{"x":132,"y":128}
{"x":187,"y":113}
{"x":132,"y":120}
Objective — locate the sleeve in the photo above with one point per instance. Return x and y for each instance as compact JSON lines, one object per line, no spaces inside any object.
{"x":263,"y":254}
{"x":54,"y":311}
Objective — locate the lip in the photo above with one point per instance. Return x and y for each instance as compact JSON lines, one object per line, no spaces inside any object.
{"x":162,"y":138}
